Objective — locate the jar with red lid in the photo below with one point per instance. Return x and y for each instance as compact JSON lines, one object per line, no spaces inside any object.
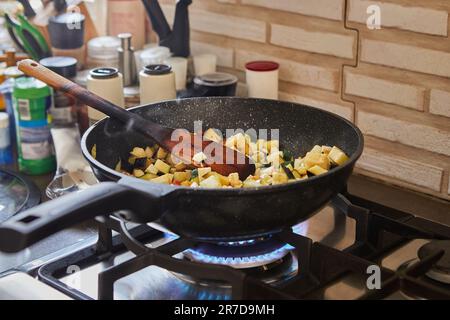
{"x":262,"y":79}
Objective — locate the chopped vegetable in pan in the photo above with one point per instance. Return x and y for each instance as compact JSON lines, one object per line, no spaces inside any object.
{"x":273,"y":166}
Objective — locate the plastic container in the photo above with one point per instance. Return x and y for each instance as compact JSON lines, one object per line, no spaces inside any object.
{"x":63,"y":111}
{"x":179,"y":67}
{"x":204,"y":63}
{"x":157,"y":83}
{"x":216,"y":84}
{"x":262,"y":79}
{"x":32,"y":101}
{"x":108,"y":84}
{"x":102,"y":52}
{"x":6,"y":156}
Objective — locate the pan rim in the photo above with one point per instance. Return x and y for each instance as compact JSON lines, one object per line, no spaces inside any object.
{"x":231,"y":191}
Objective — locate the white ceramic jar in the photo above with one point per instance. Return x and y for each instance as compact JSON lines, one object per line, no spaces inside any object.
{"x":262,"y":79}
{"x":108,"y":84}
{"x":157,"y":83}
{"x":179,"y":67}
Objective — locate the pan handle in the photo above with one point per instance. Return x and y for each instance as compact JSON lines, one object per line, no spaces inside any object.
{"x":41,"y":221}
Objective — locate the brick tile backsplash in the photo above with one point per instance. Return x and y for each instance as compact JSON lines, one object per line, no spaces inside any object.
{"x":440,"y":102}
{"x":402,"y":94}
{"x":394,"y":83}
{"x":404,"y":169}
{"x":334,"y":44}
{"x":329,"y":9}
{"x":409,"y":133}
{"x":406,"y":57}
{"x":412,"y":18}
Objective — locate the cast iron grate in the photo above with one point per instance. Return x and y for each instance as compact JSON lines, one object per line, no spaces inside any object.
{"x":378,"y":231}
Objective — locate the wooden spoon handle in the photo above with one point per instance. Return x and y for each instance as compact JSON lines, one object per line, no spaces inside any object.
{"x":34,"y":69}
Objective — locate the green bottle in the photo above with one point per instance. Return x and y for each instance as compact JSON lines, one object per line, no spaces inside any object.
{"x":32,"y":101}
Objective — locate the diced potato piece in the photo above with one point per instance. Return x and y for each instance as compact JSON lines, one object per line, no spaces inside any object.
{"x":118,"y":166}
{"x":316,"y":149}
{"x":149,"y":152}
{"x":279,"y":178}
{"x":296,"y":174}
{"x":161,"y":154}
{"x":251,"y":183}
{"x":262,"y":145}
{"x":234,"y":180}
{"x":149,"y":176}
{"x":166,"y":179}
{"x":203,"y":171}
{"x":199,"y":157}
{"x":162,"y":166}
{"x":138,"y":173}
{"x":298,"y":163}
{"x":316,"y":170}
{"x":275,"y":157}
{"x":94,"y":151}
{"x":273,"y":146}
{"x":337,"y":156}
{"x":185,"y":183}
{"x":180,"y":166}
{"x":242,"y":144}
{"x":326,"y":149}
{"x":211,"y":182}
{"x":181,"y":176}
{"x":172,"y":170}
{"x":301,"y":171}
{"x":231,"y":142}
{"x":212,"y":135}
{"x":131,"y":160}
{"x":138,"y":152}
{"x":152,"y":169}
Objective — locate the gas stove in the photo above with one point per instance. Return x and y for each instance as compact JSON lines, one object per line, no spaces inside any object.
{"x":351,"y":249}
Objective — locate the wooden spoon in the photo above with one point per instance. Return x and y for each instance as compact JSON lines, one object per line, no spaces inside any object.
{"x":226,"y":162}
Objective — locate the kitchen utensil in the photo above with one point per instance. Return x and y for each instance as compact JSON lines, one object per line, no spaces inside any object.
{"x":127,"y":64}
{"x":203,"y":214}
{"x":262,"y":79}
{"x":178,"y":38}
{"x":27,"y":37}
{"x":157,"y":83}
{"x":217,"y":84}
{"x":11,"y":57}
{"x":232,"y":160}
{"x":27,"y":9}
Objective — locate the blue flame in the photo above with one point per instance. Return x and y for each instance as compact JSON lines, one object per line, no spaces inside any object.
{"x":264,"y":258}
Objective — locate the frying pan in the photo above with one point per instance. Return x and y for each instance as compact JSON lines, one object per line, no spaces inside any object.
{"x":198,"y":213}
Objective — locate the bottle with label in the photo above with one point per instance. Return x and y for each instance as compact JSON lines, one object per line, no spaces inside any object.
{"x":5,"y":140}
{"x":32,"y":101}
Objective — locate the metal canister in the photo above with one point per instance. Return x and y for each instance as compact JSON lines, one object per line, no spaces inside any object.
{"x":32,"y":101}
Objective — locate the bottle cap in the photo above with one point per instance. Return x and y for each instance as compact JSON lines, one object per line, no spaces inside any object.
{"x":157,"y":69}
{"x":64,"y":66}
{"x":262,"y":66}
{"x":104,"y":73}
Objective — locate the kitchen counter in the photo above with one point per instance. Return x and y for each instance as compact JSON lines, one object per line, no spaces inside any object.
{"x":408,"y":201}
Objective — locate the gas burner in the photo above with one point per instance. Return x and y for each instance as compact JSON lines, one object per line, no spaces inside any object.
{"x":441,"y":270}
{"x":240,"y":254}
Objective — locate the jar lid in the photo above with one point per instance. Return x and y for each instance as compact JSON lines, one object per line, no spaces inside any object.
{"x":215,"y":79}
{"x":103,"y":48}
{"x":157,"y":69}
{"x":64,"y":66}
{"x":12,"y":72}
{"x":262,"y":65}
{"x":66,"y":30}
{"x":104,"y":73}
{"x":4,"y":120}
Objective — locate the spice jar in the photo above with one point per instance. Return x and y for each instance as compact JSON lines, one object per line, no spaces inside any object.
{"x":157,"y":83}
{"x":262,"y":79}
{"x":108,"y":84}
{"x":102,"y":52}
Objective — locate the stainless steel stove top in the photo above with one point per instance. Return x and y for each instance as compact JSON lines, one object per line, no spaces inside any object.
{"x":329,"y":228}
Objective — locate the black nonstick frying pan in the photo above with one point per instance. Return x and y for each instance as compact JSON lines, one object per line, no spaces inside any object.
{"x":201,"y":214}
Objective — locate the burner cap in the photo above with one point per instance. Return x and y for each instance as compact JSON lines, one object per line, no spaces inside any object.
{"x":441,"y":270}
